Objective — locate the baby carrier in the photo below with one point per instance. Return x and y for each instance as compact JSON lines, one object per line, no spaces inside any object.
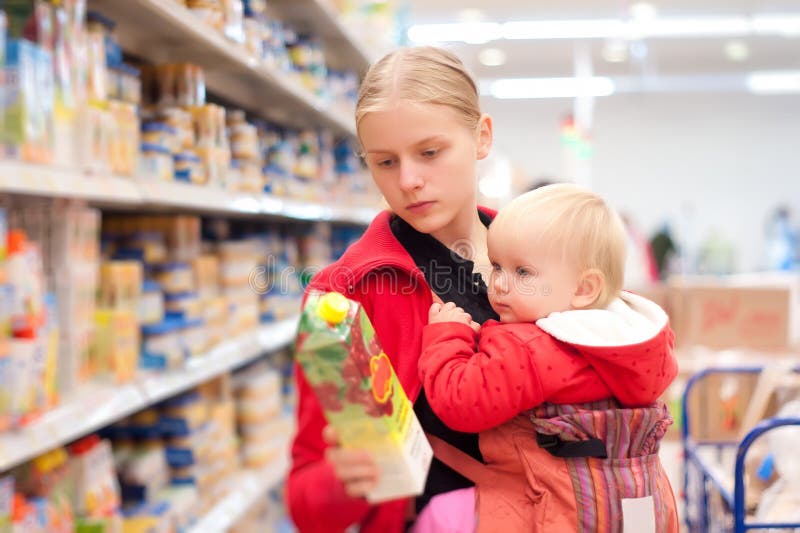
{"x":584,"y":468}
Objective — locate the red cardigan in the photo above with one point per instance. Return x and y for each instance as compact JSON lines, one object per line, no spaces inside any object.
{"x":377,"y":272}
{"x":516,"y":367}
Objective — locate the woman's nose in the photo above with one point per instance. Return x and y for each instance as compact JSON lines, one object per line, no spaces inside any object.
{"x":410,"y":177}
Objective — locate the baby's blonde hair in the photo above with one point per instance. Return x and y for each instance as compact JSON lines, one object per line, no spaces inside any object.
{"x":578,"y":221}
{"x":425,"y":75}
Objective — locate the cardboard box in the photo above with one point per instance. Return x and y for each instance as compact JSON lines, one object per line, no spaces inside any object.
{"x":657,"y":292}
{"x":721,"y":405}
{"x":719,"y":314}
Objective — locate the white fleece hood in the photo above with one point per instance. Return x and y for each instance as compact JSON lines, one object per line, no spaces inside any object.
{"x":628,"y":320}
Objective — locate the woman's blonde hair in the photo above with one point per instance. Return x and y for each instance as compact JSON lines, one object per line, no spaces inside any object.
{"x":424,"y":74}
{"x":578,"y":223}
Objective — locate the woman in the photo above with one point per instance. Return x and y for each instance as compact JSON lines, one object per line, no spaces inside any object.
{"x":422,"y":132}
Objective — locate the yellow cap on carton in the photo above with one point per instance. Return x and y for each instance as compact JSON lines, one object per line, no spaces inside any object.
{"x":333,"y":307}
{"x":50,"y":461}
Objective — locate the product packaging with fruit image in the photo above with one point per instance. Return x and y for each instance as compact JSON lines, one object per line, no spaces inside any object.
{"x":360,"y":394}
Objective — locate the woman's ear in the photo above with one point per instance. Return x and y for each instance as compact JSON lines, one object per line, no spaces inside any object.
{"x":485,"y":136}
{"x":590,"y":286}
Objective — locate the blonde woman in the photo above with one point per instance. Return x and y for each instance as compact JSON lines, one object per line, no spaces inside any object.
{"x":422,"y":133}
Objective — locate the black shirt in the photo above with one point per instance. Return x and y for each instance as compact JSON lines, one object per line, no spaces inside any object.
{"x":451,"y":277}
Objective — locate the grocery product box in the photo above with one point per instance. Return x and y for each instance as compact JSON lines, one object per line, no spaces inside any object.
{"x":724,"y":313}
{"x":720,"y":404}
{"x":657,"y":292}
{"x":360,"y":394}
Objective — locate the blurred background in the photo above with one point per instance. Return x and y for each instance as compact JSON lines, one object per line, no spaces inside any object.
{"x":685,"y":115}
{"x":174,"y":172}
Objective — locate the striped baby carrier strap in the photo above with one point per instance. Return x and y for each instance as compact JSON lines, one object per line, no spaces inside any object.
{"x":619,"y":484}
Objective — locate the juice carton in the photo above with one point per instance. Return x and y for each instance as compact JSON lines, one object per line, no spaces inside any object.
{"x":360,"y":393}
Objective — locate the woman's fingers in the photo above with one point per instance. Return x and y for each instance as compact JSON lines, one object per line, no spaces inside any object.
{"x":359,"y":489}
{"x":346,"y":459}
{"x":349,"y":471}
{"x":330,"y":436}
{"x":356,"y":469}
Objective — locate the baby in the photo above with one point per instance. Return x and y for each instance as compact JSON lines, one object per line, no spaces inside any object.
{"x":562,"y":388}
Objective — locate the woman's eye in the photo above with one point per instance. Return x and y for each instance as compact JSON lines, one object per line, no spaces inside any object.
{"x":430,"y":153}
{"x":385,"y":163}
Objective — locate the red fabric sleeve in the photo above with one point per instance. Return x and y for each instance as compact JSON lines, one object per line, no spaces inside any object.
{"x":477,"y":389}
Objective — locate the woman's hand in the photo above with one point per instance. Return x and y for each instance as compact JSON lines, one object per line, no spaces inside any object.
{"x":450,"y":312}
{"x":356,"y":469}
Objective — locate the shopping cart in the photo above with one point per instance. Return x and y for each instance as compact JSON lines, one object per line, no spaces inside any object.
{"x":708,"y":487}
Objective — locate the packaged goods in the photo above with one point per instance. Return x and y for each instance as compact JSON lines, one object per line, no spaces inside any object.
{"x":151,"y":305}
{"x":157,"y":163}
{"x":360,"y":394}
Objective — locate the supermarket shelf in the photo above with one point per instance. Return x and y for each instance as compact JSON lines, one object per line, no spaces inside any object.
{"x":312,"y":211}
{"x":165,"y":31}
{"x":198,"y":198}
{"x":250,"y":486}
{"x":39,"y":180}
{"x":92,"y":408}
{"x":224,"y":358}
{"x":318,"y":17}
{"x":98,"y":405}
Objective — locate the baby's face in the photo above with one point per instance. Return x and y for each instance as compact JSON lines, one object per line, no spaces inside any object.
{"x":528,"y":281}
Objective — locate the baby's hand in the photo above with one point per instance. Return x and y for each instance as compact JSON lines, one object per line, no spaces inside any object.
{"x":450,"y":312}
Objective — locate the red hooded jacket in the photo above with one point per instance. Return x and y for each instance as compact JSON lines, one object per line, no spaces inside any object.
{"x":567,"y":358}
{"x":377,"y":272}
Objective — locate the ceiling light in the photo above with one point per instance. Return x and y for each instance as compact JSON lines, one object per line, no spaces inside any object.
{"x":737,"y":50}
{"x":786,"y":25}
{"x":472,"y":33}
{"x":492,"y":57}
{"x":695,"y":27}
{"x":774,"y":82}
{"x":518,"y":88}
{"x":563,"y":29}
{"x":615,"y":51}
{"x":643,"y":11}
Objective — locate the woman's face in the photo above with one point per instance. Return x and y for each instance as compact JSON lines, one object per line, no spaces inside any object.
{"x":423,"y":159}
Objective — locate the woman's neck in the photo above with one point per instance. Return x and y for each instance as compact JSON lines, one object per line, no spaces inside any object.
{"x":466,"y":236}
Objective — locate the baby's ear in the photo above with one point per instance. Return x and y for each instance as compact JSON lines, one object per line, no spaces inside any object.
{"x":590,"y":286}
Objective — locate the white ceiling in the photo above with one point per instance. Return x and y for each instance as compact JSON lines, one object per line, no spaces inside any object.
{"x":664,"y":56}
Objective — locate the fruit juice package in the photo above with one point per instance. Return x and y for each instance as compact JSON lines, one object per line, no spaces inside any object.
{"x":360,"y":393}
